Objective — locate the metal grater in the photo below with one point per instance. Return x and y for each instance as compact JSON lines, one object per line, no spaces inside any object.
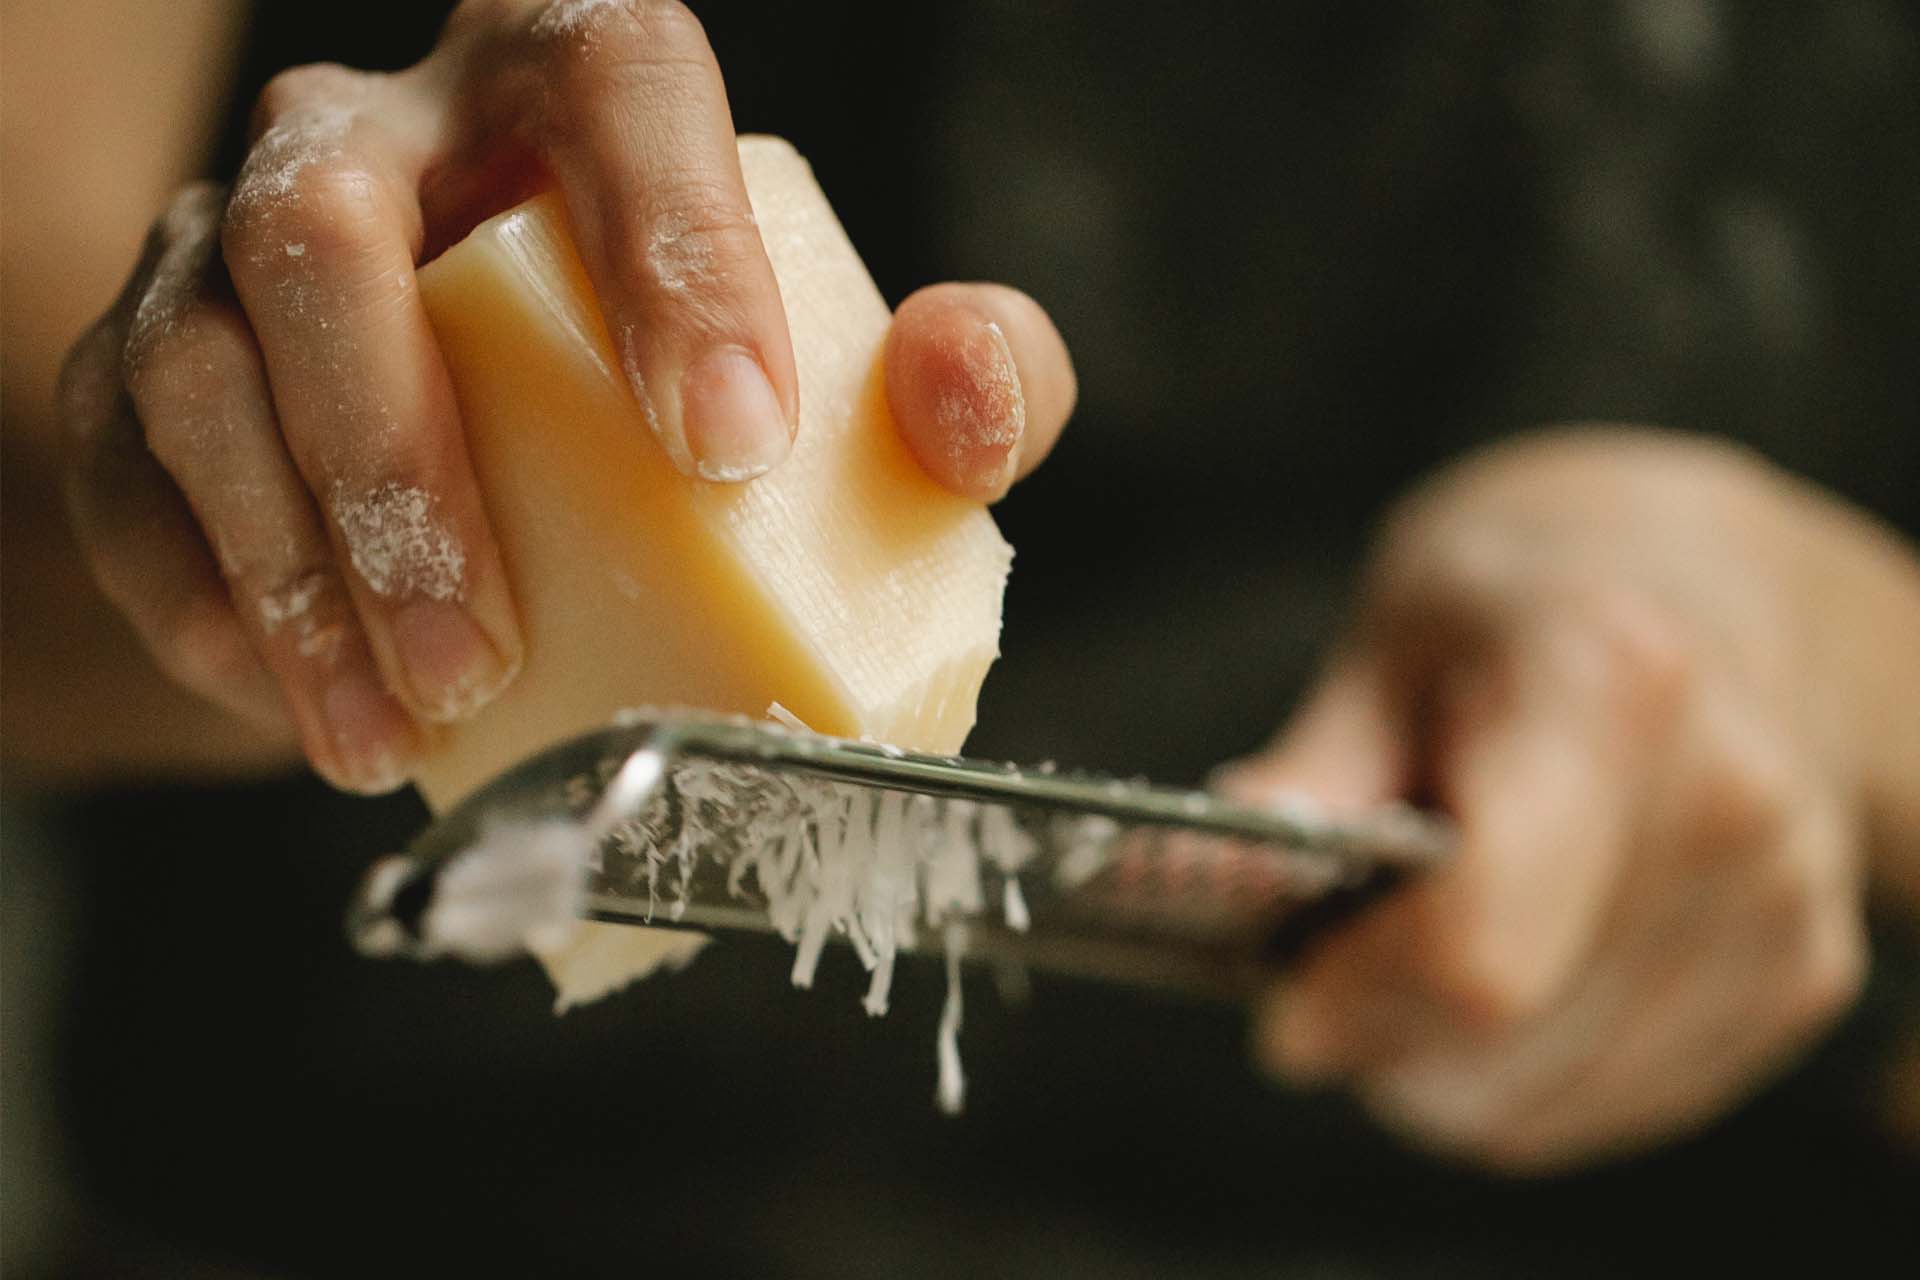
{"x":692,"y":822}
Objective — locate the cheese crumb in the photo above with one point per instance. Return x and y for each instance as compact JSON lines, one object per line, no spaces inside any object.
{"x":677,"y":254}
{"x":397,"y":544}
{"x":574,"y":17}
{"x":297,"y":142}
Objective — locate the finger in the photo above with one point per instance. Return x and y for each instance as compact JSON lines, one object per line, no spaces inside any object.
{"x":320,"y":240}
{"x":140,"y":542}
{"x":1735,"y":932}
{"x":980,"y":384}
{"x":1469,"y":1098}
{"x":200,"y":389}
{"x":1723,"y":999}
{"x":635,"y":128}
{"x":1538,"y":746}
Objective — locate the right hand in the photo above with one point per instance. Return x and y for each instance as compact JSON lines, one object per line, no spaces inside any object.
{"x":265,"y":462}
{"x":1669,"y":695}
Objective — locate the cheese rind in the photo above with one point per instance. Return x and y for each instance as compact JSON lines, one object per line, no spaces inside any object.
{"x":845,"y":584}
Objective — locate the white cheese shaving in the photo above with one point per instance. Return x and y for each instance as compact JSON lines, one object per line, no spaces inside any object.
{"x":827,"y":859}
{"x":951,"y":1093}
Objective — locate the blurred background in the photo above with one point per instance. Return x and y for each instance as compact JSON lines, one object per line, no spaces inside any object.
{"x":1303,"y":252}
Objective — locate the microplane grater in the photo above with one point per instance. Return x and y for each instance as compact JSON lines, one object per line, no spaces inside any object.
{"x":689,"y":822}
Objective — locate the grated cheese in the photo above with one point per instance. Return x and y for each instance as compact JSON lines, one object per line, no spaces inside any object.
{"x":826,"y":859}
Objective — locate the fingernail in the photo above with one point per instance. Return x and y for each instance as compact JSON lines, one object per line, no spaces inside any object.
{"x":731,"y":417}
{"x":452,"y":667}
{"x":370,"y":734}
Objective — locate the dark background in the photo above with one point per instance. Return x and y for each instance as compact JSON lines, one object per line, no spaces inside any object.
{"x":1303,"y":253}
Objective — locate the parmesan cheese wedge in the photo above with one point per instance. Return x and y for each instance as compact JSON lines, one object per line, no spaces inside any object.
{"x":845,"y":585}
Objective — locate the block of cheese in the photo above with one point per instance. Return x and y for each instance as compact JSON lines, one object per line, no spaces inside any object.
{"x":845,"y":585}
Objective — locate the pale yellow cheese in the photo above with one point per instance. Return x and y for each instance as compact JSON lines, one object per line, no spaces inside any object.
{"x":845,"y":585}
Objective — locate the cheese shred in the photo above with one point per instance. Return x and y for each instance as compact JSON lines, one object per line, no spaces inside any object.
{"x":825,"y":859}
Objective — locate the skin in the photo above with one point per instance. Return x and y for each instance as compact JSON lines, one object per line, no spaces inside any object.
{"x":266,"y":395}
{"x":81,"y":175}
{"x":1671,"y":697}
{"x":1668,"y":693}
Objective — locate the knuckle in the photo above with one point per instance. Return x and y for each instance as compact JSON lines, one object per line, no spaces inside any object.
{"x":302,"y":174}
{"x":1454,"y":562}
{"x":669,"y":24}
{"x":632,"y":61}
{"x":327,"y":204}
{"x":1485,"y":1001}
{"x":249,"y":226}
{"x":667,"y":31}
{"x":1482,"y":996}
{"x":1431,"y":575}
{"x":619,"y":31}
{"x":1743,"y":798}
{"x":301,"y":88}
{"x":1639,"y":652}
{"x":695,"y":242}
{"x":338,"y":195}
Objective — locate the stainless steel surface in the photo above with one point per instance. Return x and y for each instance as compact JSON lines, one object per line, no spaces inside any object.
{"x":1116,"y":879}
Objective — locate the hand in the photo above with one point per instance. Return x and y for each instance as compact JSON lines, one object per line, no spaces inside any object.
{"x":1637,"y":672}
{"x":265,"y":405}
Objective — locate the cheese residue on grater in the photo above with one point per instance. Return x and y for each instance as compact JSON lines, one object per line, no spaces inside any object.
{"x":875,"y":867}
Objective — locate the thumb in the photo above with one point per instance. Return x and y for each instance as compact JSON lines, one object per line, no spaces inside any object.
{"x":980,"y":384}
{"x":1346,"y":748}
{"x":1535,"y":749}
